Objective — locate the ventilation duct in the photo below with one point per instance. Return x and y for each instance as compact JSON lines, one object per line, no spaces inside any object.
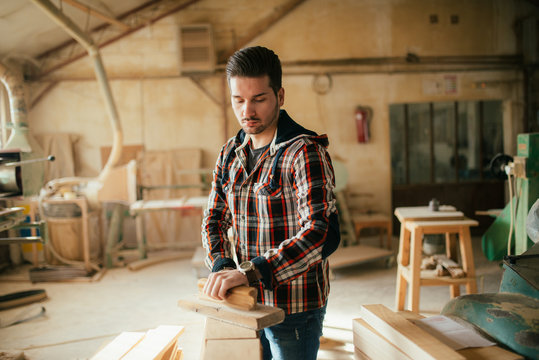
{"x":197,"y":52}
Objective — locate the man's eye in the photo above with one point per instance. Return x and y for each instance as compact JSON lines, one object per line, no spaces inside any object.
{"x":260,"y":100}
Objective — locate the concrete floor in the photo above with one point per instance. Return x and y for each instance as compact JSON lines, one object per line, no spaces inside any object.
{"x":83,"y":316}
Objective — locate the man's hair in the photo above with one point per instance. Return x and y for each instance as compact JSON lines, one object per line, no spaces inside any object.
{"x":256,"y":61}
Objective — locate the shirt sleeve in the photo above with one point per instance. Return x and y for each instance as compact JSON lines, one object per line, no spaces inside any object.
{"x":216,"y":222}
{"x":313,"y":181}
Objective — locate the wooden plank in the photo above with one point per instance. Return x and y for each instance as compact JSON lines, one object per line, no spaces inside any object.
{"x":489,"y":353}
{"x":216,"y":329}
{"x":259,"y":318}
{"x":360,"y":355}
{"x":227,"y":349}
{"x":352,"y":255}
{"x":479,"y":353}
{"x":409,"y":338}
{"x":120,"y":346}
{"x":373,"y":344}
{"x":156,"y":343}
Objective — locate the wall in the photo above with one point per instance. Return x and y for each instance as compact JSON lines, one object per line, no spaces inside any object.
{"x":162,"y":109}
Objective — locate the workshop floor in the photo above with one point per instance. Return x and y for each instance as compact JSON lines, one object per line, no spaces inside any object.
{"x":83,"y":316}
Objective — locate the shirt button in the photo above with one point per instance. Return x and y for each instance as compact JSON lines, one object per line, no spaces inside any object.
{"x":242,"y":217}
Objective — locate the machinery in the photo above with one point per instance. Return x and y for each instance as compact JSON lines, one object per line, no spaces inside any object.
{"x":510,"y":317}
{"x":507,"y":235}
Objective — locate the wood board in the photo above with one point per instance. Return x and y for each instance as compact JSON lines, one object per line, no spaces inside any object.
{"x":259,"y":318}
{"x":156,"y":344}
{"x":357,"y":254}
{"x":409,"y":338}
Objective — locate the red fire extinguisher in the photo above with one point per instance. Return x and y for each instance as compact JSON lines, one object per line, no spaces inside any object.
{"x":363,"y":119}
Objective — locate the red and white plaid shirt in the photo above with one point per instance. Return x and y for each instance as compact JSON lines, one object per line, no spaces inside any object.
{"x":281,"y":226}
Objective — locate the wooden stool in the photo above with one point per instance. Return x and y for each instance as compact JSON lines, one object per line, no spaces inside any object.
{"x":409,"y":259}
{"x":380,"y":221}
{"x":231,"y":333}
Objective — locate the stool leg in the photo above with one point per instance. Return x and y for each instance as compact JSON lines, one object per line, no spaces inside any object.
{"x":404,"y":246}
{"x":451,"y":253}
{"x":466,"y":253}
{"x":401,"y":289}
{"x":389,"y":229}
{"x":415,"y":270}
{"x":403,"y":259}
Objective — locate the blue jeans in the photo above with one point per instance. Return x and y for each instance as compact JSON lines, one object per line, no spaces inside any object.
{"x":297,"y":337}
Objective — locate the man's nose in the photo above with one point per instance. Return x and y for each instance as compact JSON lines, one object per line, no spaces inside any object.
{"x":248,"y":109}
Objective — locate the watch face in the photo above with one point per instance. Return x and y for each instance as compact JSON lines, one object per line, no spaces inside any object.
{"x":246,"y":266}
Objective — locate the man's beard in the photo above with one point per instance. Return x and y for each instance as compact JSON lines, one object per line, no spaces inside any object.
{"x":259,"y":129}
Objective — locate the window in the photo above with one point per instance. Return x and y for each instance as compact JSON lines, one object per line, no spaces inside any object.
{"x":444,"y":142}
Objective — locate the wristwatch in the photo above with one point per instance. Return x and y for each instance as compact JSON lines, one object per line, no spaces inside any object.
{"x":249,"y":269}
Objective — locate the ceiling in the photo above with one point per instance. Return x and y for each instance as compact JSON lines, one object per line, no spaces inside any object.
{"x":28,"y":32}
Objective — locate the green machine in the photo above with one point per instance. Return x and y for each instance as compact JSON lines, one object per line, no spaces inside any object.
{"x":523,"y":170}
{"x":511,"y":316}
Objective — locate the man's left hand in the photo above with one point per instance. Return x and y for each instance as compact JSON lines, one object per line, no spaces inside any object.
{"x":220,"y":282}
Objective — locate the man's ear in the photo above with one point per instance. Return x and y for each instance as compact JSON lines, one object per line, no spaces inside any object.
{"x":280,"y":97}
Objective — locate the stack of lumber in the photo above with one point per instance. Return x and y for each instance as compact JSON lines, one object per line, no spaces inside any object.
{"x":160,"y":343}
{"x":383,"y":334}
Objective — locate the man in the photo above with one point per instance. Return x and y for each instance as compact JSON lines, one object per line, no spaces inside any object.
{"x":273,"y":184}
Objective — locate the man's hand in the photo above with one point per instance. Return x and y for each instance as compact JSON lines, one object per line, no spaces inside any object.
{"x":220,"y":282}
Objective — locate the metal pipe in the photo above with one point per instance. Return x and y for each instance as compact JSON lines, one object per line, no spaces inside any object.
{"x":19,"y":163}
{"x":75,"y":32}
{"x":14,"y":84}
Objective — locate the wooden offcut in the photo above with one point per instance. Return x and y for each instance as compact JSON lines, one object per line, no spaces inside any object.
{"x":239,"y":297}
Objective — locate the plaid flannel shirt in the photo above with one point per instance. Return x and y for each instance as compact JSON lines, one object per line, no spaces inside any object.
{"x":279,"y":214}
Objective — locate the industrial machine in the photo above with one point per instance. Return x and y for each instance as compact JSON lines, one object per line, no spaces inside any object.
{"x":507,"y":235}
{"x":510,"y":317}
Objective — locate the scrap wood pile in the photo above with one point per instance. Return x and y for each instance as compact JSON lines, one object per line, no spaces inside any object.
{"x":160,"y":343}
{"x":443,"y":266}
{"x":383,"y":334}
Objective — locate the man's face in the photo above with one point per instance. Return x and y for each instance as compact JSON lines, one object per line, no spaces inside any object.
{"x":255,"y":104}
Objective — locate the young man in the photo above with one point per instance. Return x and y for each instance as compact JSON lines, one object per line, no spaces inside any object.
{"x":273,"y":184}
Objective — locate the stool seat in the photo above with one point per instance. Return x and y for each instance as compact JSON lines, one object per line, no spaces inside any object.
{"x":375,"y":220}
{"x":409,"y":259}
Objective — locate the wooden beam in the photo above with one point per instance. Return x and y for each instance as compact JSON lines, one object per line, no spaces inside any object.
{"x":95,"y":13}
{"x":140,"y":17}
{"x":261,"y":27}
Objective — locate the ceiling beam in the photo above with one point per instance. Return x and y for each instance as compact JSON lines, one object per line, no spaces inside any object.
{"x":261,"y":27}
{"x":97,"y":14}
{"x":138,"y":18}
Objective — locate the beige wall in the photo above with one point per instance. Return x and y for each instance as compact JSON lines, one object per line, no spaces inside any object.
{"x":162,"y":109}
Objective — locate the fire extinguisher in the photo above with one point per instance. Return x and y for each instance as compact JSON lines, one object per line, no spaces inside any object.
{"x":363,"y":119}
